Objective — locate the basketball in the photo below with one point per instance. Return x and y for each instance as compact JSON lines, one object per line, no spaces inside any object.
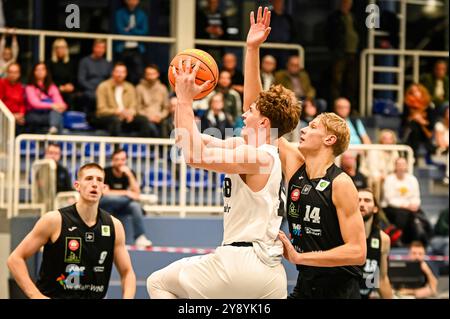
{"x":208,"y":69}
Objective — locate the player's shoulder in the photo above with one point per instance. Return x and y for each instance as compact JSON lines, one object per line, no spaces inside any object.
{"x":51,"y":217}
{"x":342,"y":179}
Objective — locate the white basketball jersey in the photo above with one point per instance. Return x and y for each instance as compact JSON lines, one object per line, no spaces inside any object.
{"x":253,"y":216}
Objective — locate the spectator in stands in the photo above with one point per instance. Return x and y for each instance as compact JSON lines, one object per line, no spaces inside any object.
{"x":377,"y":164}
{"x":8,"y":55}
{"x":12,"y":93}
{"x":211,"y":24}
{"x":283,"y":31}
{"x":63,"y":180}
{"x":62,"y":71}
{"x":153,"y":99}
{"x":268,"y":67}
{"x":296,"y":78}
{"x":418,"y":119}
{"x":121,"y":196}
{"x":437,"y":83}
{"x":93,"y":70}
{"x":131,"y":20}
{"x":117,"y":105}
{"x":343,"y":42}
{"x":229,"y":63}
{"x":358,"y":135}
{"x":44,"y":103}
{"x":441,"y":140}
{"x":349,"y":166}
{"x":168,"y":125}
{"x":232,"y":99}
{"x":215,"y":118}
{"x":402,"y":204}
{"x":429,"y":289}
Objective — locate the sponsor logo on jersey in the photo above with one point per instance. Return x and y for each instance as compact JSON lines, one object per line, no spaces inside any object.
{"x":306,"y":188}
{"x":322,"y":185}
{"x":72,"y":228}
{"x":73,"y":250}
{"x":375,"y":243}
{"x":293,"y":212}
{"x":106,"y":231}
{"x":295,"y":195}
{"x":89,"y":237}
{"x":313,"y":231}
{"x":297,"y":230}
{"x":99,"y":269}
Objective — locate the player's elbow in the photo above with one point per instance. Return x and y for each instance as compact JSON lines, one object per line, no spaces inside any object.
{"x":360,"y":254}
{"x":12,"y":262}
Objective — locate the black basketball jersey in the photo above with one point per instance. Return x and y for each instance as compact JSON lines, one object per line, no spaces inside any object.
{"x":78,"y":264}
{"x":370,"y":278}
{"x":313,"y":221}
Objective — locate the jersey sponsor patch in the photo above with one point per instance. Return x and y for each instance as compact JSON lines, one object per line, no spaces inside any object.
{"x":295,"y":195}
{"x":313,"y":231}
{"x":375,"y":243}
{"x":322,"y":185}
{"x":293,"y":212}
{"x":89,"y":237}
{"x":306,"y":189}
{"x":73,"y":250}
{"x":106,"y":231}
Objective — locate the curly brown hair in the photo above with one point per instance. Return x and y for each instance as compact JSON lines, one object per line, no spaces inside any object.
{"x":281,"y":107}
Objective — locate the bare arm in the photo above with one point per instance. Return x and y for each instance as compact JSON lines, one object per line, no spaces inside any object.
{"x":243,"y":159}
{"x":229,"y":143}
{"x":385,"y":289}
{"x":290,"y":157}
{"x":353,"y":251}
{"x":48,"y":225}
{"x":123,"y":262}
{"x":258,"y":33}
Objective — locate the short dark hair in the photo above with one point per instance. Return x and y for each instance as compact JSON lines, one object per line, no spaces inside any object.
{"x":376,"y":217}
{"x":416,"y":243}
{"x":119,"y":63}
{"x":152,"y":66}
{"x":99,"y":41}
{"x":87,"y":166}
{"x":117,"y":151}
{"x":54,"y":145}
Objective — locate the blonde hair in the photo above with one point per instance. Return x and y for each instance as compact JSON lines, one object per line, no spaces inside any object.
{"x":337,"y":126}
{"x":388,"y":131}
{"x":60,"y":42}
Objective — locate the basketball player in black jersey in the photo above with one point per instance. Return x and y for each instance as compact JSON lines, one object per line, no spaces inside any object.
{"x":327,"y":230}
{"x":80,"y":244}
{"x":375,"y":271}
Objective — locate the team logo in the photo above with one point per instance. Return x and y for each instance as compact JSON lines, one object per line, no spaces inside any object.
{"x":106,"y":231}
{"x":297,"y":230}
{"x":295,"y":195}
{"x":306,"y":189}
{"x":89,"y":237}
{"x":73,"y":250}
{"x":322,"y":185}
{"x":293,"y":212}
{"x":375,"y":243}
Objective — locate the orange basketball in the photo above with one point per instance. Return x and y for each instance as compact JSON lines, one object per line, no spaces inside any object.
{"x":208,"y":69}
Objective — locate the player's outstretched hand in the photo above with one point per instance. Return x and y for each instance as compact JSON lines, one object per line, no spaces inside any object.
{"x":185,"y":86}
{"x":259,"y":29}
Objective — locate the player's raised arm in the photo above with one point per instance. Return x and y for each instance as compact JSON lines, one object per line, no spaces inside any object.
{"x":258,"y":33}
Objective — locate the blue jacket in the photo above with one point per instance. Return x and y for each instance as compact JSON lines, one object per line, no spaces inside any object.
{"x":122,"y":19}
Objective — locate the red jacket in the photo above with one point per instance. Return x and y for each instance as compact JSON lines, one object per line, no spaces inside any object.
{"x":13,"y":96}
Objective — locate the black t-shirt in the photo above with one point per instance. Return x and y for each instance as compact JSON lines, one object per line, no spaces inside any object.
{"x":114,"y":182}
{"x":359,"y":180}
{"x":313,"y":221}
{"x":63,"y":180}
{"x":78,"y":264}
{"x":371,"y":269}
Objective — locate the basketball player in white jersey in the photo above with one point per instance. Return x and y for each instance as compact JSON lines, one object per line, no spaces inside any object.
{"x":327,"y":238}
{"x":248,"y":264}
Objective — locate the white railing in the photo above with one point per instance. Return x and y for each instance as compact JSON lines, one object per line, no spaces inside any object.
{"x":367,"y":70}
{"x":242,"y":44}
{"x":110,"y":38}
{"x":7,"y":133}
{"x":159,"y":170}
